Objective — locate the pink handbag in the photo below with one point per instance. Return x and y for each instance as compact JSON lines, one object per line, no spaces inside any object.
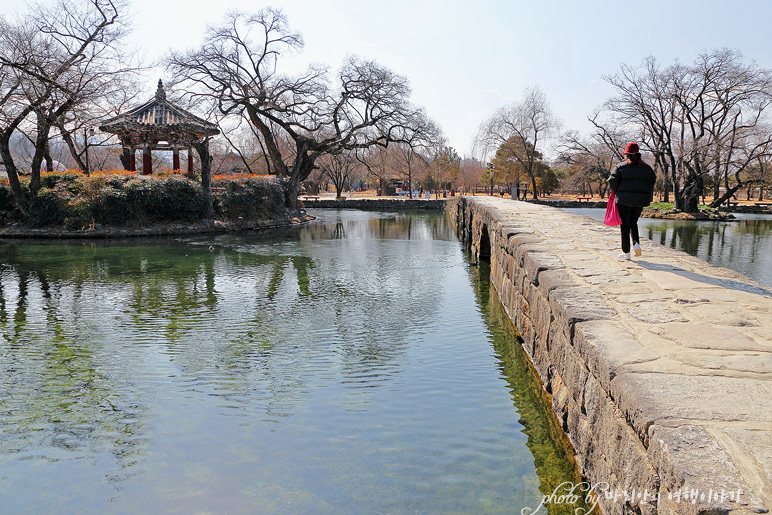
{"x":612,"y":215}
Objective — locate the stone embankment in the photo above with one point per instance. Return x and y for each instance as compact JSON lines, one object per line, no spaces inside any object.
{"x":167,"y":229}
{"x":378,"y":204}
{"x":660,"y":368}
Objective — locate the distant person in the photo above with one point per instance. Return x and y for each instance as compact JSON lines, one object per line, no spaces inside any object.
{"x":632,"y":182}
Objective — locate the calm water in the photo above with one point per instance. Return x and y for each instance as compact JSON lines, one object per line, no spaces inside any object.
{"x":744,"y":244}
{"x":356,"y":365}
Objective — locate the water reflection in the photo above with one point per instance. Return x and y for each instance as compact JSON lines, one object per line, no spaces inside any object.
{"x":552,"y":452}
{"x":342,"y":366}
{"x":744,"y":245}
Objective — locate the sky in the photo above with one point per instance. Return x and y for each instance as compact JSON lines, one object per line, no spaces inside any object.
{"x":465,"y":59}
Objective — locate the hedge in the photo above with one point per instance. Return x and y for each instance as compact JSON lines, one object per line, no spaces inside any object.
{"x":75,"y":200}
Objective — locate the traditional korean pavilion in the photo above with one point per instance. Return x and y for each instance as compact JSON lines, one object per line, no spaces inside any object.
{"x":159,"y":125}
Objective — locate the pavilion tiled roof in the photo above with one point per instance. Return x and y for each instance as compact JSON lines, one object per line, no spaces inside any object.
{"x":159,"y":114}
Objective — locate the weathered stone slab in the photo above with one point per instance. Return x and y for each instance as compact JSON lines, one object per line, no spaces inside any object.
{"x":638,"y":298}
{"x":756,"y":462}
{"x":606,"y":347}
{"x":551,"y":279}
{"x":655,"y":313}
{"x":526,"y":248}
{"x":703,"y":336}
{"x":623,"y":289}
{"x":651,"y":398}
{"x":589,"y":269}
{"x":697,"y":474}
{"x":681,"y":280}
{"x":536,"y":262}
{"x":614,"y":458}
{"x":572,"y":305}
{"x":724,"y":315}
{"x":572,"y":368}
{"x":757,"y":363}
{"x":609,"y":279}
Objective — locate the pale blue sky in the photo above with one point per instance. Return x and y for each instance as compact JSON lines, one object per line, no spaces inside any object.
{"x":465,"y":59}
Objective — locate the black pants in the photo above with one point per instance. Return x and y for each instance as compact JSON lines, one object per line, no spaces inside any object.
{"x":629,"y":227}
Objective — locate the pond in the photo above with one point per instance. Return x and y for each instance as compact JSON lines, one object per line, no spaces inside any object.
{"x":743,"y":244}
{"x":359,"y":364}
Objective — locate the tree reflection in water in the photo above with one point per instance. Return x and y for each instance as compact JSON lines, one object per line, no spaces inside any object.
{"x":744,"y":245}
{"x":342,"y":364}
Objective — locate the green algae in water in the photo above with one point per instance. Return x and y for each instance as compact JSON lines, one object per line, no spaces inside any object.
{"x":552,"y":451}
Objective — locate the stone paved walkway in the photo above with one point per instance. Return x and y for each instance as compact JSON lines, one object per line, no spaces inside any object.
{"x":695,"y":379}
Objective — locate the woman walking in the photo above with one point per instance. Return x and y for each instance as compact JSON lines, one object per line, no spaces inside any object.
{"x":632,"y":182}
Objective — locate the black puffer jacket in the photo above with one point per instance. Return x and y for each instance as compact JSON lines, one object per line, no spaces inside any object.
{"x":633,"y":185}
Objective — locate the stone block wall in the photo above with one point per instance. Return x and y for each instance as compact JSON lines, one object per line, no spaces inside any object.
{"x":574,"y":340}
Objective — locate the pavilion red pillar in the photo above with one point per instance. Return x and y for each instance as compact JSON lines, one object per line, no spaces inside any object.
{"x":190,"y":160}
{"x":147,"y":162}
{"x":133,"y":160}
{"x":175,"y":158}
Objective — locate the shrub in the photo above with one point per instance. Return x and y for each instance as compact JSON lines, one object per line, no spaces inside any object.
{"x":183,"y":199}
{"x":76,"y":200}
{"x":8,"y":211}
{"x":50,"y":207}
{"x":110,"y":207}
{"x":248,"y":197}
{"x":61,"y":180}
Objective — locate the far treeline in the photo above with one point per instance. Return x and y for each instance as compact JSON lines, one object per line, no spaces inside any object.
{"x":65,"y":69}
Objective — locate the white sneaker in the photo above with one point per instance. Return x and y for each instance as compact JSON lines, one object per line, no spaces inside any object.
{"x":637,"y":250}
{"x":624,"y":255}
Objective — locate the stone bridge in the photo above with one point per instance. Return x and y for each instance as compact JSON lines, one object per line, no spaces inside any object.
{"x":660,"y":368}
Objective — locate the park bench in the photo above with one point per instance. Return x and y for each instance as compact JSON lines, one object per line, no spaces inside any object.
{"x":310,"y":197}
{"x":583,"y":199}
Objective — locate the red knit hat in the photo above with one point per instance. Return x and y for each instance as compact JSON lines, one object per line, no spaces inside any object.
{"x":631,"y":148}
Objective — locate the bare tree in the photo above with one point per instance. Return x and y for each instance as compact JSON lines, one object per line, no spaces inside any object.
{"x":53,"y":60}
{"x":444,"y":168}
{"x":528,"y":121}
{"x":592,"y":158}
{"x":470,"y":174}
{"x":379,"y":163}
{"x":341,"y":169}
{"x":696,"y":118}
{"x":236,"y":70}
{"x":411,"y":163}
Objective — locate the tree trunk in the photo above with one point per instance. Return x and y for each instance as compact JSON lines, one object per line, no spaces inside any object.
{"x":43,"y":128}
{"x":125,"y":158}
{"x":206,"y":176}
{"x":13,"y":176}
{"x":690,"y":196}
{"x":726,"y":196}
{"x":67,"y":137}
{"x":533,"y":184}
{"x":677,"y":198}
{"x":47,"y":157}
